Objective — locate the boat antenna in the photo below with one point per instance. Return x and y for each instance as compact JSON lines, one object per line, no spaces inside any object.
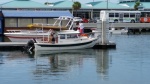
{"x":60,"y":23}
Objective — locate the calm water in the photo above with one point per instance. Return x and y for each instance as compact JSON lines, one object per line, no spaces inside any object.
{"x":127,"y":64}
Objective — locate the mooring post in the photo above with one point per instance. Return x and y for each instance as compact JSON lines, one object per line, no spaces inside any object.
{"x":104,"y":28}
{"x":99,"y":28}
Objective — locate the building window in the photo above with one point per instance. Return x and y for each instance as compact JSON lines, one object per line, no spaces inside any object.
{"x":70,"y":36}
{"x":24,"y":22}
{"x":51,"y":20}
{"x":39,"y":20}
{"x":62,"y":36}
{"x":10,"y":22}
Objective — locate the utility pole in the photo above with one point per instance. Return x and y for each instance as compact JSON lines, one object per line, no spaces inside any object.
{"x":107,"y":4}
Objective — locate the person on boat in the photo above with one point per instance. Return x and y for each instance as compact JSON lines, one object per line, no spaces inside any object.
{"x":81,"y":28}
{"x":85,"y":20}
{"x":52,"y":39}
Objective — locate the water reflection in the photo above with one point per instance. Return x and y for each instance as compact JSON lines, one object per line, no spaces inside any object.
{"x":127,"y":64}
{"x":1,"y":39}
{"x":4,"y":39}
{"x":49,"y":66}
{"x":1,"y":58}
{"x":58,"y":64}
{"x":102,"y":59}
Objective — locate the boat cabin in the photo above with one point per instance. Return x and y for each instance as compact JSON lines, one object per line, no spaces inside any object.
{"x":68,"y":36}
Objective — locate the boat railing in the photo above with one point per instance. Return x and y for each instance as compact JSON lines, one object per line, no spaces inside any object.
{"x":13,"y":31}
{"x":46,"y":38}
{"x":48,"y":24}
{"x":60,"y":22}
{"x":41,"y":24}
{"x":30,"y":31}
{"x":25,"y":31}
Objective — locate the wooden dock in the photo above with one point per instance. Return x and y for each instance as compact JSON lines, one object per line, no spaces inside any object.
{"x":7,"y":46}
{"x":13,"y":43}
{"x":106,"y":46}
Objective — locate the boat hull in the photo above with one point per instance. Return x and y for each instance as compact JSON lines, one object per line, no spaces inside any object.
{"x":118,"y":31}
{"x":68,"y":46}
{"x":18,"y":37}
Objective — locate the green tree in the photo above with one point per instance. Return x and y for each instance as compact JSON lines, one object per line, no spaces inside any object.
{"x":76,"y":6}
{"x":137,"y":3}
{"x":46,"y":3}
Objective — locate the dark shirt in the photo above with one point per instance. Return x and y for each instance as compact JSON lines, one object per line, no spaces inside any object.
{"x":53,"y":39}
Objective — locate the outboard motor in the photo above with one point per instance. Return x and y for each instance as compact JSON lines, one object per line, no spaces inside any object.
{"x":30,"y":45}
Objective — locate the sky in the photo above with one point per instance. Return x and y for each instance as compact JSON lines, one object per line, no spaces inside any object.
{"x":81,"y":1}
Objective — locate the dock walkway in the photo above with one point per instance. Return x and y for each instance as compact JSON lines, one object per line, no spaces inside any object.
{"x":130,"y":25}
{"x":8,"y":46}
{"x":12,"y":45}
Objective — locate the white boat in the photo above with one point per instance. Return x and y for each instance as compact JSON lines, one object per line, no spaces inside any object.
{"x":118,"y":31}
{"x":26,"y":35}
{"x":68,"y":40}
{"x":61,"y":23}
{"x":114,"y":30}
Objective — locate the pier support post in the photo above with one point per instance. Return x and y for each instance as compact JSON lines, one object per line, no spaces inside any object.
{"x":104,"y":28}
{"x":99,"y":28}
{"x":104,"y":43}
